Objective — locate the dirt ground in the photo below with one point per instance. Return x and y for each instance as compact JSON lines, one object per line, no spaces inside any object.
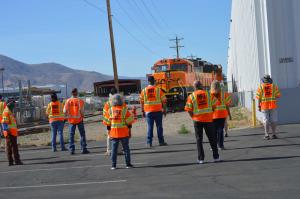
{"x":173,"y":123}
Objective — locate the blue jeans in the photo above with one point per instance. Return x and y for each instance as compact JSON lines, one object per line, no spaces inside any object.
{"x":114,"y":151}
{"x":156,"y":117}
{"x":219,"y":130}
{"x":57,"y":126}
{"x":72,"y":128}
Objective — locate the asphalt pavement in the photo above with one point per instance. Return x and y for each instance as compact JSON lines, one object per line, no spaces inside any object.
{"x":251,"y":168}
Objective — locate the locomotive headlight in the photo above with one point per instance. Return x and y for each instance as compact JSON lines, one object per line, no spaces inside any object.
{"x":175,"y":89}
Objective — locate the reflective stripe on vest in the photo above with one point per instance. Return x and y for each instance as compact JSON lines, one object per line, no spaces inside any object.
{"x":223,"y":105}
{"x":198,"y":111}
{"x":9,"y":119}
{"x":157,"y":100}
{"x":1,"y":108}
{"x":122,"y":123}
{"x":268,"y":99}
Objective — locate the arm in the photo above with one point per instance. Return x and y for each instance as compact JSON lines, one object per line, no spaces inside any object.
{"x":142,"y":103}
{"x":229,"y":114}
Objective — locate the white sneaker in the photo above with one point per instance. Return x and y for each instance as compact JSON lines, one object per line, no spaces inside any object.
{"x":217,"y":160}
{"x":200,"y":161}
{"x":113,"y":168}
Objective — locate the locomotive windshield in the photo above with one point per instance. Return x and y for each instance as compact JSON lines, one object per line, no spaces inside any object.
{"x":162,"y":68}
{"x":179,"y":67}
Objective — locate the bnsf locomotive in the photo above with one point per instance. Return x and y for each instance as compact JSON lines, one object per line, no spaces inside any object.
{"x":176,"y":76}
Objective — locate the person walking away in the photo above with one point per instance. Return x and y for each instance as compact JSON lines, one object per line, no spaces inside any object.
{"x":74,"y":111}
{"x":10,"y":132}
{"x":2,"y":107}
{"x":267,"y":95}
{"x":106,"y":108}
{"x":221,"y":111}
{"x":119,"y":123}
{"x":153,"y":103}
{"x":200,"y":105}
{"x":56,"y":119}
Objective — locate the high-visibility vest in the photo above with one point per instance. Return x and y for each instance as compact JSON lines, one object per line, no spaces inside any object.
{"x":153,"y":99}
{"x":10,"y":120}
{"x":201,"y":104}
{"x":2,"y":107}
{"x":118,"y":118}
{"x":221,"y":105}
{"x":55,"y":111}
{"x":268,"y":94}
{"x":74,"y":108}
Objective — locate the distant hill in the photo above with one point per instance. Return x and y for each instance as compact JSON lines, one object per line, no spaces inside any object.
{"x":48,"y":73}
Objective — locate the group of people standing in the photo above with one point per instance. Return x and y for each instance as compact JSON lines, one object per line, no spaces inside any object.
{"x":208,"y":110}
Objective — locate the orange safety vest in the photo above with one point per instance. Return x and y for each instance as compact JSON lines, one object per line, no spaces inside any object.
{"x":2,"y":107}
{"x":73,"y":109}
{"x":118,"y":118}
{"x":221,"y":106}
{"x":55,"y":111}
{"x":153,"y":99}
{"x":10,"y":120}
{"x":267,"y":94}
{"x":201,"y":104}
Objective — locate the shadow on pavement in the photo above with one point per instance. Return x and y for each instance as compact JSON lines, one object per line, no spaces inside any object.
{"x":259,"y":159}
{"x":253,"y":134}
{"x":169,"y":151}
{"x":263,"y":146}
{"x":56,"y":162}
{"x":46,"y":158}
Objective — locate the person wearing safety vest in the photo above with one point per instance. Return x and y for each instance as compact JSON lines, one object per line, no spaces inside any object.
{"x":74,"y":111}
{"x":267,"y":95}
{"x":200,"y":106}
{"x":119,"y":123}
{"x":10,"y":132}
{"x":56,"y":119}
{"x":221,"y":111}
{"x":153,"y":103}
{"x":2,"y":107}
{"x":106,"y":108}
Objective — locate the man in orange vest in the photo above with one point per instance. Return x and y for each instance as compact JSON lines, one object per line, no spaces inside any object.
{"x":10,"y":132}
{"x":221,"y":111}
{"x":119,"y":122}
{"x":2,"y":107}
{"x":56,"y":120}
{"x":200,"y":105}
{"x":153,"y":103}
{"x":74,"y":111}
{"x":267,"y":95}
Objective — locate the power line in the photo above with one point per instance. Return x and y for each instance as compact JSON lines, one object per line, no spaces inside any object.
{"x":151,"y":15}
{"x":142,"y":28}
{"x":124,"y":28}
{"x":177,"y":41}
{"x":147,"y":20}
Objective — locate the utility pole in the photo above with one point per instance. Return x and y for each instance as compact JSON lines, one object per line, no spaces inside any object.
{"x":112,"y":44}
{"x":2,"y":71}
{"x":192,"y":57}
{"x":177,"y":41}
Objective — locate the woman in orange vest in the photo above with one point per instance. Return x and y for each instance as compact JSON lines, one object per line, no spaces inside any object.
{"x":56,"y":120}
{"x":221,"y":111}
{"x":10,"y":132}
{"x":119,"y":122}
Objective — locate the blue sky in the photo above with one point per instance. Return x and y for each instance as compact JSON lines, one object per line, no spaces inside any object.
{"x":75,"y":34}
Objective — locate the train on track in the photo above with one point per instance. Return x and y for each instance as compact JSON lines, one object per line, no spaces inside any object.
{"x":176,"y":76}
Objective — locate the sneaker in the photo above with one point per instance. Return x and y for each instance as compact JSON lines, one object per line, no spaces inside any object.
{"x":107,"y":153}
{"x":149,"y":146}
{"x":267,"y":137}
{"x":129,"y":166}
{"x":163,"y":144}
{"x":200,"y":161}
{"x":274,"y":137}
{"x":222,"y":148}
{"x":85,"y":151}
{"x":113,"y":168}
{"x":72,"y":152}
{"x":217,"y":160}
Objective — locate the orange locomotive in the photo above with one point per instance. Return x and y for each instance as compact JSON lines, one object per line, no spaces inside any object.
{"x":176,"y":76}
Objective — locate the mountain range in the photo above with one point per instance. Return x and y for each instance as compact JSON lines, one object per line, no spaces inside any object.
{"x":48,"y":73}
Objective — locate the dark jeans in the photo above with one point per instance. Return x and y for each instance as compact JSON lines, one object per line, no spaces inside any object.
{"x":57,"y":127}
{"x":156,"y":117}
{"x":210,"y":133}
{"x":114,"y":151}
{"x":72,"y":128}
{"x":219,"y":130}
{"x":12,"y":149}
